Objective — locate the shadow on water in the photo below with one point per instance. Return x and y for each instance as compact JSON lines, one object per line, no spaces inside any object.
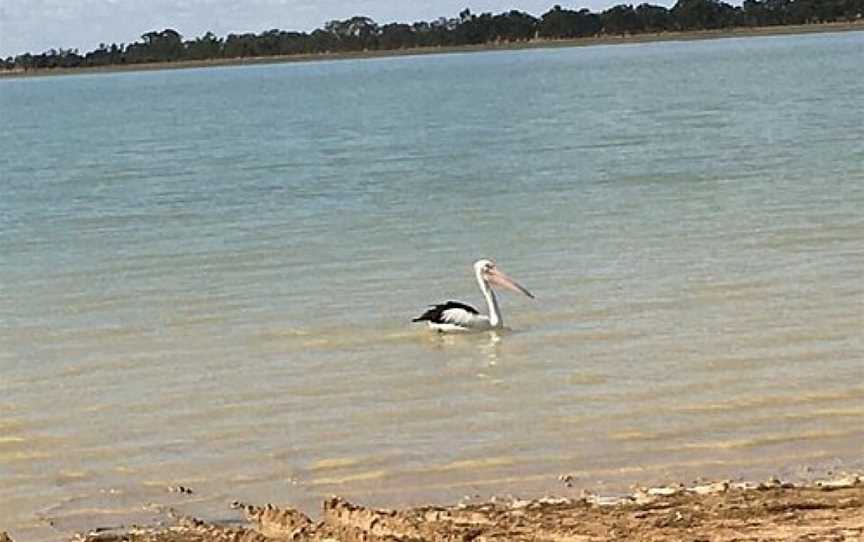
{"x":488,"y":343}
{"x":375,"y":335}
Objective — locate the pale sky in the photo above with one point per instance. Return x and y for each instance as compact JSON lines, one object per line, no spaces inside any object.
{"x":38,"y":25}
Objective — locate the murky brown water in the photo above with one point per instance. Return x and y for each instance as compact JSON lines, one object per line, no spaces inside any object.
{"x":207,"y":277}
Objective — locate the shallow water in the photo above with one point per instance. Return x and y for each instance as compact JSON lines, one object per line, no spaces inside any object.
{"x":207,"y":277}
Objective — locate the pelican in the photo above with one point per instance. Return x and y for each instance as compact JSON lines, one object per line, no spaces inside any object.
{"x":454,"y":316}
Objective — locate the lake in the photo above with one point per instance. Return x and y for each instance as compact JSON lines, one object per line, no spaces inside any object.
{"x":207,"y":277}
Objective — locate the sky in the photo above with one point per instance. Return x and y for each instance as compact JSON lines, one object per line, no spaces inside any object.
{"x":38,"y":25}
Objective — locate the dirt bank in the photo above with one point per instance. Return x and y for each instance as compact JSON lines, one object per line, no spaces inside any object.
{"x":721,"y":511}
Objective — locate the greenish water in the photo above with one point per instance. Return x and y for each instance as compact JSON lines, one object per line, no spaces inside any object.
{"x":207,"y":277}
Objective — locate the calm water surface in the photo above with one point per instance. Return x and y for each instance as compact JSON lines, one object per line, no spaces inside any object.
{"x":207,"y":277}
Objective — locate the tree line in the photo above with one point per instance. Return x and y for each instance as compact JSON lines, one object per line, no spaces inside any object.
{"x":364,"y":34}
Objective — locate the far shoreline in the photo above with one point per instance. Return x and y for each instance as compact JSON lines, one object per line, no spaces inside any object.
{"x":695,"y":35}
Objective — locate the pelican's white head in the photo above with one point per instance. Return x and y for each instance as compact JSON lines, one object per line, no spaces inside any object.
{"x":483,"y":265}
{"x":488,"y":272}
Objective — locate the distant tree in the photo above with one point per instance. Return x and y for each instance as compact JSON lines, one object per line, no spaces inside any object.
{"x":322,"y":41}
{"x":354,"y":34}
{"x":473,"y":29}
{"x":294,"y":43}
{"x":69,"y":58}
{"x":269,"y":43}
{"x":204,"y":47}
{"x":362,"y":33}
{"x":621,"y":19}
{"x":241,"y":45}
{"x":397,"y":36}
{"x":654,"y":18}
{"x":437,"y":33}
{"x":819,"y":11}
{"x":164,"y":46}
{"x":703,"y":14}
{"x":100,"y":57}
{"x":852,"y":10}
{"x":24,"y":62}
{"x":280,"y":42}
{"x":514,"y":26}
{"x":758,"y":13}
{"x":56,"y":58}
{"x":563,"y":23}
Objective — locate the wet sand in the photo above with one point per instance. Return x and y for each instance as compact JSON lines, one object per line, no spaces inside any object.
{"x":501,"y":46}
{"x":828,"y":510}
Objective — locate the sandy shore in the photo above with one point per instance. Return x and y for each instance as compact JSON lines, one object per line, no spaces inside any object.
{"x":828,"y":510}
{"x":533,"y":44}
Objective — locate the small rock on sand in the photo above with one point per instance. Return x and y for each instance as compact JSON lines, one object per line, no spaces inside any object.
{"x":840,"y":483}
{"x":180,"y":489}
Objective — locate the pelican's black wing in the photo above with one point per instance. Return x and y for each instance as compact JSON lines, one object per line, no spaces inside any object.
{"x":437,"y":315}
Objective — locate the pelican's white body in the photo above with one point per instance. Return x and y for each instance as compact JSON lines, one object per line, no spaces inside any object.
{"x":455,"y":317}
{"x":480,"y":324}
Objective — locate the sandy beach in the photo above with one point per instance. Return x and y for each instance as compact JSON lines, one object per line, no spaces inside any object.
{"x":772,"y":510}
{"x":504,"y":46}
